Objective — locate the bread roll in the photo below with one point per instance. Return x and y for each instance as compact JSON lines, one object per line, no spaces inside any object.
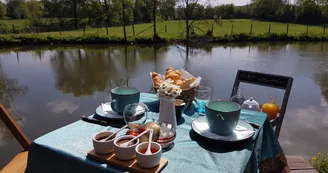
{"x":186,"y":83}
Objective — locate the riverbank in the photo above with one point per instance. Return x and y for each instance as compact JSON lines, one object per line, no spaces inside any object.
{"x":100,"y":39}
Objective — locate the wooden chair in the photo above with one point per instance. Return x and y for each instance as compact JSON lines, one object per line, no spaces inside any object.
{"x":18,"y":163}
{"x":268,"y":80}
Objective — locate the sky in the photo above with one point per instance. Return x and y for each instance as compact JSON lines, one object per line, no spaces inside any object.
{"x":235,"y":2}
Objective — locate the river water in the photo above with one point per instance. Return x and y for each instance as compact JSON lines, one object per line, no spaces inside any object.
{"x":46,"y":88}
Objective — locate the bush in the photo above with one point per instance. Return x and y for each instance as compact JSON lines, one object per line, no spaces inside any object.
{"x":320,"y":162}
{"x":104,"y":39}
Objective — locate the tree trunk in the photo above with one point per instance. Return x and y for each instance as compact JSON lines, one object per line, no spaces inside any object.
{"x":154,"y":17}
{"x":187,"y":21}
{"x":107,"y":13}
{"x":75,"y":14}
{"x":123,"y":11}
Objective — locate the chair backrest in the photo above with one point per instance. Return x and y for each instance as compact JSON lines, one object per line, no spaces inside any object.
{"x":268,"y":80}
{"x":11,"y":124}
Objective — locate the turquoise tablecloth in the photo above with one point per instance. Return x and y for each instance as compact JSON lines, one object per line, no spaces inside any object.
{"x":64,"y":150}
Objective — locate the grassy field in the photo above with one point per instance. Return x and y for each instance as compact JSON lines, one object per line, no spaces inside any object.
{"x":175,"y":31}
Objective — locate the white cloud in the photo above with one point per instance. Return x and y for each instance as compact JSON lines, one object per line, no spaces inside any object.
{"x":60,"y":106}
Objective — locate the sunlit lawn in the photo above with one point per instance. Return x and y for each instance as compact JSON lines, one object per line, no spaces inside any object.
{"x":176,"y":29}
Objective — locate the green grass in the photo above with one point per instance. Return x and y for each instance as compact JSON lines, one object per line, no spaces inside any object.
{"x":176,"y":32}
{"x":176,"y":28}
{"x":18,"y":23}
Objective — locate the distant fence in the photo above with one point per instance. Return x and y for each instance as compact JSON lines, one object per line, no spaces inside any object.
{"x":69,"y":26}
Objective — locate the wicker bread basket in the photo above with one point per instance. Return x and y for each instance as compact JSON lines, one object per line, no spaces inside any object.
{"x":188,"y":94}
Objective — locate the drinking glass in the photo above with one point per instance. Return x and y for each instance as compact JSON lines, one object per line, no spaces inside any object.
{"x":203,"y":95}
{"x":135,"y":115}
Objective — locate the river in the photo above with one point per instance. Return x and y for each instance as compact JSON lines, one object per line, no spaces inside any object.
{"x":46,"y":88}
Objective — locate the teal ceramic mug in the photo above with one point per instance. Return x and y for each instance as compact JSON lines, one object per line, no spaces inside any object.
{"x":123,"y":96}
{"x":222,"y":116}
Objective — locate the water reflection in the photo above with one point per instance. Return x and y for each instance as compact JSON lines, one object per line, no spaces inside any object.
{"x":77,"y":79}
{"x":9,"y":89}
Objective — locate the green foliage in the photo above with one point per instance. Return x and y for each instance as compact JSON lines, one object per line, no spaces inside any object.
{"x":320,"y":162}
{"x":308,"y":12}
{"x":36,"y":11}
{"x":225,"y":11}
{"x":86,"y":39}
{"x":2,"y":10}
{"x":17,"y":9}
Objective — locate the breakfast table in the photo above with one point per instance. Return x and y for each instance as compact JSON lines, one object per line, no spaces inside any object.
{"x":65,"y":149}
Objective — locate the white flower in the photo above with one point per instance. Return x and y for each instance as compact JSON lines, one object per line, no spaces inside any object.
{"x":168,"y":89}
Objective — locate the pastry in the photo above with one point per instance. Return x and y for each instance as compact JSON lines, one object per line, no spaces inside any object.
{"x":157,"y":80}
{"x":186,"y":83}
{"x":172,"y":74}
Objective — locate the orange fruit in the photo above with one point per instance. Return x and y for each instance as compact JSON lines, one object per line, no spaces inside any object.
{"x":271,"y":109}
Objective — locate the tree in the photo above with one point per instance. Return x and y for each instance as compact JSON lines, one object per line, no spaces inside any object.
{"x":308,"y":12}
{"x":56,"y":9}
{"x":188,"y":7}
{"x":17,"y":9}
{"x":266,"y":9}
{"x":166,"y":9}
{"x":2,"y":10}
{"x":74,"y":4}
{"x":209,"y":12}
{"x":36,"y":12}
{"x":154,"y":18}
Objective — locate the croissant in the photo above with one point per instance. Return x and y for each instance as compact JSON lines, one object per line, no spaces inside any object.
{"x":186,"y":83}
{"x":173,"y":74}
{"x":157,"y":80}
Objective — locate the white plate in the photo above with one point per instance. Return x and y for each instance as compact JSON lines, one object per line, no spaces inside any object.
{"x":243,"y":130}
{"x":109,"y":114}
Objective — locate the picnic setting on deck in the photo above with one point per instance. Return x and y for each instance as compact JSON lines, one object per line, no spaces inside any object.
{"x":178,"y":128}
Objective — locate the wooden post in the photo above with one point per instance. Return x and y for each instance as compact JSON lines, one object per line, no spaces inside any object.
{"x":106,"y":29}
{"x":165,"y":28}
{"x":270,"y":28}
{"x":287,"y":29}
{"x":37,"y":31}
{"x":324,"y":28}
{"x":231,"y":29}
{"x":250,"y":33}
{"x":307,"y":29}
{"x":84,"y":30}
{"x":133,"y":30}
{"x":13,"y":127}
{"x":59,"y":29}
{"x":13,"y":28}
{"x":212,"y":28}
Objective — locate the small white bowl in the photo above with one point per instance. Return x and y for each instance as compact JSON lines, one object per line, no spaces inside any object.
{"x":148,"y":161}
{"x":103,"y":147}
{"x":125,"y":153}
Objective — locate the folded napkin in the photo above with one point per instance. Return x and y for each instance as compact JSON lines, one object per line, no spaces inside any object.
{"x":107,"y":109}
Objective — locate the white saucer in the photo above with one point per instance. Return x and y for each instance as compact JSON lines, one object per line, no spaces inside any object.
{"x":109,"y":114}
{"x":243,"y":130}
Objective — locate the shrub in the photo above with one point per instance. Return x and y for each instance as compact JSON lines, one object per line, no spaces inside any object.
{"x":320,"y":162}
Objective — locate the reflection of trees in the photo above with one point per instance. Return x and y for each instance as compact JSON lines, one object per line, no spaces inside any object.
{"x":85,"y":71}
{"x":322,"y":80}
{"x":9,"y":89}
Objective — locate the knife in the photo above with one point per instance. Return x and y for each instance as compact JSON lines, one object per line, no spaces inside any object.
{"x":257,"y":126}
{"x":95,"y":121}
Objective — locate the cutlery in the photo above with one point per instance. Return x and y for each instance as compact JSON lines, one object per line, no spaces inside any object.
{"x":148,"y":152}
{"x":257,"y":126}
{"x":105,"y":139}
{"x":126,"y":144}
